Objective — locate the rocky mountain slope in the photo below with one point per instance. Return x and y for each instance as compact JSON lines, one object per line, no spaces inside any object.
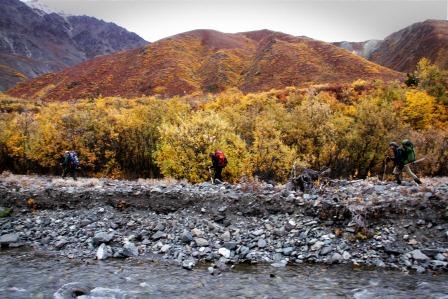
{"x":207,"y":61}
{"x":34,"y":42}
{"x":402,"y":50}
{"x":363,"y":49}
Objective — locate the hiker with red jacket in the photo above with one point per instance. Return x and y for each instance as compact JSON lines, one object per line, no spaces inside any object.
{"x":219,"y":161}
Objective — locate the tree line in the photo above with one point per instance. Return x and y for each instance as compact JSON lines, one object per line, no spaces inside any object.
{"x":346,"y":127}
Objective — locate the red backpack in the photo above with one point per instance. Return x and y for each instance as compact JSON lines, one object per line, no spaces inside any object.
{"x":221,"y":159}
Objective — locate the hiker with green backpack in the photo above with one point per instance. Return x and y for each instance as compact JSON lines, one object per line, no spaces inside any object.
{"x":70,"y":164}
{"x":403,"y":157}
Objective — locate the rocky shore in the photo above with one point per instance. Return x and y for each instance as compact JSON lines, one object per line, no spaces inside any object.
{"x":363,"y":222}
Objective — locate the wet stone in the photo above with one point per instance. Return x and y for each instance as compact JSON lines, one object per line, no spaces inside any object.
{"x":158,"y":235}
{"x":129,"y":250}
{"x":287,"y":251}
{"x":224,"y":252}
{"x":102,"y":237}
{"x":261,"y":243}
{"x":201,"y":242}
{"x":186,"y":237}
{"x":418,"y":255}
{"x":188,"y":264}
{"x":8,"y":239}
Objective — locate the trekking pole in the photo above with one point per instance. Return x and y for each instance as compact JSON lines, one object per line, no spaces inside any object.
{"x":417,"y":161}
{"x":211,"y":175}
{"x":384,"y":169}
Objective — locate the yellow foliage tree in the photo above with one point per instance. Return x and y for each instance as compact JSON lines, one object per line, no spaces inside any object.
{"x":419,"y":109}
{"x":270,"y":158}
{"x":184,"y":147}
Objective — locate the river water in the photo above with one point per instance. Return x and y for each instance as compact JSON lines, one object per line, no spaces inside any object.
{"x":25,"y":274}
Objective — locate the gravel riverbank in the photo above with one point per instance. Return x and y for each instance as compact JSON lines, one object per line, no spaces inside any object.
{"x":365,"y":222}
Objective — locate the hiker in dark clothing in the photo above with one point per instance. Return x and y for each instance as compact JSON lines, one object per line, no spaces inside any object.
{"x":70,"y":163}
{"x":219,"y":161}
{"x":402,"y":157}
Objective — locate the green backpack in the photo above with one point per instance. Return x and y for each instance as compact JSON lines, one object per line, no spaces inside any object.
{"x":409,"y":152}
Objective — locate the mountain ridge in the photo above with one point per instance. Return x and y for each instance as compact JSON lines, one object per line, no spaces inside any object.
{"x":50,"y":42}
{"x":201,"y":61}
{"x":402,"y":49}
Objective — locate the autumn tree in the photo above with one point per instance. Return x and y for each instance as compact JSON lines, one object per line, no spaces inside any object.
{"x":183,"y":151}
{"x":270,"y":157}
{"x":432,"y":79}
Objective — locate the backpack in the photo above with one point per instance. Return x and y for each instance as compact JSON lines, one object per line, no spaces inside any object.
{"x":409,"y":152}
{"x":74,"y":160}
{"x":221,"y":159}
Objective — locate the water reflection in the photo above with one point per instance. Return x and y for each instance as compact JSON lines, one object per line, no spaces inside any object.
{"x":27,"y":275}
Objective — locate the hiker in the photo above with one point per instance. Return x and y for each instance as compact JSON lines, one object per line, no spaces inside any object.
{"x":70,"y":164}
{"x":402,"y":157}
{"x":219,"y":161}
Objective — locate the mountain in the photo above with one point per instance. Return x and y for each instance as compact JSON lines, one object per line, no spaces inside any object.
{"x":402,"y":50}
{"x":207,"y":61}
{"x":34,"y":41}
{"x":363,"y":49}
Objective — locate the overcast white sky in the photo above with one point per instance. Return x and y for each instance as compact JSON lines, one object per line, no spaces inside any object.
{"x":335,"y":20}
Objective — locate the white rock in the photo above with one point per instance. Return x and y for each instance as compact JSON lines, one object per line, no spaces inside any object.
{"x":188,"y":264}
{"x":224,"y":252}
{"x":225,"y":236}
{"x":165,"y":248}
{"x":317,"y":246}
{"x":201,"y":242}
{"x":197,"y":232}
{"x":258,"y":232}
{"x":103,"y":252}
{"x":440,"y":257}
{"x":418,"y":255}
{"x":336,"y":258}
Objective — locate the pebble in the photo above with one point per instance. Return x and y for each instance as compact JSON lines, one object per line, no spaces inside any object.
{"x":317,"y":246}
{"x":7,"y":239}
{"x":336,"y":258}
{"x":103,"y":252}
{"x":130,"y":250}
{"x":226,"y":236}
{"x":258,"y":232}
{"x":224,"y":252}
{"x":418,"y":255}
{"x":101,"y":237}
{"x":413,"y":242}
{"x":261,"y":243}
{"x":165,"y":248}
{"x":201,"y":242}
{"x":188,"y":264}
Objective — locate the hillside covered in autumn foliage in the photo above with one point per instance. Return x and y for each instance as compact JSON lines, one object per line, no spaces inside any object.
{"x":345,"y":127}
{"x":207,"y":61}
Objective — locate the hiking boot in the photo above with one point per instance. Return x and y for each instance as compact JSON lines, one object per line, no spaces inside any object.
{"x":418,"y":181}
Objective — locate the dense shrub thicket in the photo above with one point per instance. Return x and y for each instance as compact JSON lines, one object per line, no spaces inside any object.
{"x":346,"y":128}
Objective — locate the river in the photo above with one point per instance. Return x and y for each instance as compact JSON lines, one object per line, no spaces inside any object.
{"x":26,"y":274}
